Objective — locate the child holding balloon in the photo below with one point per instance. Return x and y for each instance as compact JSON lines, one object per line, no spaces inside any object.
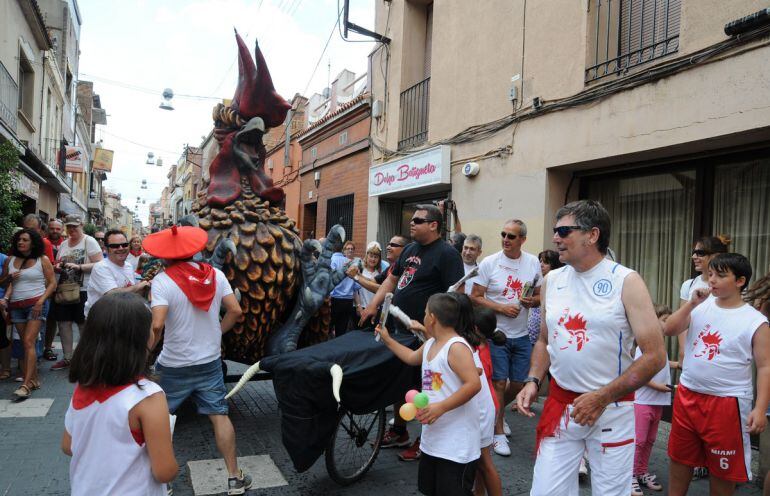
{"x":450,"y":421}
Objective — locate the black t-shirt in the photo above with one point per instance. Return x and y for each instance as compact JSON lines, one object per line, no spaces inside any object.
{"x":423,"y":271}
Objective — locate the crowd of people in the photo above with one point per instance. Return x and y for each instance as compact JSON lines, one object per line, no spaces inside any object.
{"x":572,"y":316}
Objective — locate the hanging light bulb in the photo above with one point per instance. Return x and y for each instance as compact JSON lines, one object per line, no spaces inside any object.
{"x":159,"y":162}
{"x":150,"y":158}
{"x":168,"y":95}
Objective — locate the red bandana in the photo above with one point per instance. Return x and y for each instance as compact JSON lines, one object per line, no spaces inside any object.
{"x":84,"y":396}
{"x":198,"y":284}
{"x":137,"y":253}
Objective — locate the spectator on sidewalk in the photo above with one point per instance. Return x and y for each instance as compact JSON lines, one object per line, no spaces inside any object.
{"x":117,"y":427}
{"x":500,"y":286}
{"x":373,"y":266}
{"x":113,"y":274}
{"x":392,"y":251}
{"x":471,"y":251}
{"x":186,"y":299}
{"x":55,"y":228}
{"x":99,"y":237}
{"x":135,"y":253}
{"x":343,"y":311}
{"x":32,"y":221}
{"x":74,"y":261}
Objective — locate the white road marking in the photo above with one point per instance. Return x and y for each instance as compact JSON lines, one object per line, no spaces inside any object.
{"x":210,"y":476}
{"x":32,"y":407}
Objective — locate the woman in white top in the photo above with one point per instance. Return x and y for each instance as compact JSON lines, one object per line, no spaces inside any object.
{"x":135,"y":252}
{"x":373,"y":266}
{"x":32,"y":283}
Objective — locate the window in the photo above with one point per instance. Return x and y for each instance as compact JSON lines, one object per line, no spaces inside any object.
{"x":343,"y":138}
{"x":340,"y":211}
{"x":26,"y":88}
{"x":314,"y":152}
{"x":628,"y":33}
{"x":270,"y":164}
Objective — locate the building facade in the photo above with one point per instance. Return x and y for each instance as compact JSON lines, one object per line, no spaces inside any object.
{"x":650,"y":108}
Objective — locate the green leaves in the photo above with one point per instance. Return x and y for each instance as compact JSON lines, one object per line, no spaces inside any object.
{"x":10,"y":203}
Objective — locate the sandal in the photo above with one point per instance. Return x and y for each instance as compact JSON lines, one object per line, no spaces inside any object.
{"x":5,"y":374}
{"x":23,"y":392}
{"x":49,"y":355}
{"x":34,"y":384}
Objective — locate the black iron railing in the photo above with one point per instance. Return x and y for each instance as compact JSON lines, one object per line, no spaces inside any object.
{"x":414,"y":115}
{"x":629,"y":33}
{"x":9,"y":98}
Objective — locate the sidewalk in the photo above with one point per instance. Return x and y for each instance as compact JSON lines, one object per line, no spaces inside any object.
{"x":32,"y":462}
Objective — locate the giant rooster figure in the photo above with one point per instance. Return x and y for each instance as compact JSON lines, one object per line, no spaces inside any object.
{"x":280,"y":282}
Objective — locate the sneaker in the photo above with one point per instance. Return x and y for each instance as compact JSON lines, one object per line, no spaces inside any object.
{"x":506,"y":428}
{"x":700,"y":473}
{"x":50,"y":355}
{"x":412,"y":453}
{"x":648,"y":481}
{"x":238,"y":485}
{"x":391,"y":439}
{"x":392,"y":421}
{"x":635,"y":489}
{"x":61,"y":364}
{"x":500,"y":445}
{"x":583,"y":469}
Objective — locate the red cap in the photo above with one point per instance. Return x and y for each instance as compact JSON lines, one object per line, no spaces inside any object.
{"x":176,"y":243}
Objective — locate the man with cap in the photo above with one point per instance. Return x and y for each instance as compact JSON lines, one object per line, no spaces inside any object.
{"x":186,"y":299}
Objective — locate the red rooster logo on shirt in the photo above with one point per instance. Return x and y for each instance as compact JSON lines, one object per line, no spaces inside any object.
{"x":711,"y":342}
{"x":513,"y":288}
{"x":576,"y":326}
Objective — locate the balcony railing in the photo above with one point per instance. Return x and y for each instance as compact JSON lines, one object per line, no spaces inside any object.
{"x":9,"y":98}
{"x":415,"y":102}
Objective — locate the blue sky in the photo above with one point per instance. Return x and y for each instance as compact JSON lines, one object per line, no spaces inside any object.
{"x":132,"y":49}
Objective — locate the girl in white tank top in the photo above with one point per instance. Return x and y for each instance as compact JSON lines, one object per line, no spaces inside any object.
{"x":115,"y":413}
{"x":450,"y":429}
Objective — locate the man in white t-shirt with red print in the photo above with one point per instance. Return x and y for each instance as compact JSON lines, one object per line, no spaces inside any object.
{"x":591,"y":311}
{"x":186,"y":299}
{"x":713,"y":415}
{"x":503,"y":278}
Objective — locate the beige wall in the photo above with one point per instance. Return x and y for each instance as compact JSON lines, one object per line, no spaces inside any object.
{"x":476,"y":50}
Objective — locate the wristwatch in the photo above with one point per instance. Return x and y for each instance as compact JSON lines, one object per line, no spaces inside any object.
{"x":355,"y":277}
{"x":534,"y":380}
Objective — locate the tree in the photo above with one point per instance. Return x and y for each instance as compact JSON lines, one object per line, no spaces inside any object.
{"x":10,"y":203}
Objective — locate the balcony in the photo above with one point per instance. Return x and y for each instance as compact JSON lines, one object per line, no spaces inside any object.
{"x":95,"y":205}
{"x":9,"y":98}
{"x":415,"y":101}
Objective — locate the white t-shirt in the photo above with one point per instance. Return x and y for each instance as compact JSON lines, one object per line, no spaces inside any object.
{"x":504,"y":279}
{"x":192,"y":336}
{"x":645,"y":395}
{"x":79,"y":254}
{"x":469,"y":282}
{"x":689,"y":287}
{"x":133,"y":260}
{"x":718,"y":352}
{"x":106,"y":276}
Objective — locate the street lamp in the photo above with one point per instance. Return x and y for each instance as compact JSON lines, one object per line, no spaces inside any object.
{"x":168,"y":95}
{"x":150,"y":158}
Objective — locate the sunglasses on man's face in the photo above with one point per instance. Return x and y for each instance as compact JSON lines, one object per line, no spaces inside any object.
{"x":117,"y":245}
{"x":395,"y":245}
{"x":700,"y":253}
{"x":507,"y":235}
{"x":420,"y":220}
{"x":564,"y":231}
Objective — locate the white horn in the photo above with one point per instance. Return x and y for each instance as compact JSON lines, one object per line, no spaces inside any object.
{"x":336,"y":372}
{"x":251,"y":372}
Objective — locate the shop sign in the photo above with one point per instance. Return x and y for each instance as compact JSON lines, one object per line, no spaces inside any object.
{"x":103,"y":159}
{"x":75,"y":157}
{"x":421,"y":169}
{"x":26,"y":186}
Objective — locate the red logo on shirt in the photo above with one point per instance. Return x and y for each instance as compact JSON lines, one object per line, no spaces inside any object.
{"x":412,"y":264}
{"x":577,"y":327}
{"x":513,"y":288}
{"x":710,"y":342}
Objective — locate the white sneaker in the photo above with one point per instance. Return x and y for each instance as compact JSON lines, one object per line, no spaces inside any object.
{"x":583,"y":470}
{"x":635,"y":489}
{"x":392,"y":421}
{"x":500,"y":445}
{"x":506,"y":428}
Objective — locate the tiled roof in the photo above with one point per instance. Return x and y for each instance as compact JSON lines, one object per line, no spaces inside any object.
{"x":331,"y":115}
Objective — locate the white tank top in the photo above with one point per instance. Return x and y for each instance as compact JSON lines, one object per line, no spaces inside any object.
{"x":589,"y":337}
{"x":31,"y":282}
{"x":106,"y":459}
{"x":486,"y":406}
{"x":718,"y":352}
{"x":456,"y":435}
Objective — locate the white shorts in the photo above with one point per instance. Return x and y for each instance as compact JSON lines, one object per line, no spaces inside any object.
{"x":610,"y":447}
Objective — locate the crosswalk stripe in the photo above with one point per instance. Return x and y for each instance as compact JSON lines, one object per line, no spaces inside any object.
{"x":210,"y":476}
{"x":33,"y":407}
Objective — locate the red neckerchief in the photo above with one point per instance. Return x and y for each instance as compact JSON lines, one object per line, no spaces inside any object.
{"x":85,"y":396}
{"x":554,"y":408}
{"x":198,"y":284}
{"x":137,"y":253}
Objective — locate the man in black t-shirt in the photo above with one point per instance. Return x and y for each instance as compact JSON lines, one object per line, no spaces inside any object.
{"x":427,"y":266}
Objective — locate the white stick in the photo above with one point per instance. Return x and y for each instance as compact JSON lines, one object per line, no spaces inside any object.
{"x":454,"y":287}
{"x":404,"y":319}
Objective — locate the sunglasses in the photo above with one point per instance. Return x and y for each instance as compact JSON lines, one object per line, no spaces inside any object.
{"x":419,"y":220}
{"x":99,"y":239}
{"x":564,"y":231}
{"x":118,"y":245}
{"x":395,"y":245}
{"x":510,"y":236}
{"x":700,"y":253}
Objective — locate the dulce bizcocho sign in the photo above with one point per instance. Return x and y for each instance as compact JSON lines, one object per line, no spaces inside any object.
{"x":425,"y":168}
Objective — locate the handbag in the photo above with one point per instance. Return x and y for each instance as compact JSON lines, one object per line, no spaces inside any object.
{"x":67,"y":291}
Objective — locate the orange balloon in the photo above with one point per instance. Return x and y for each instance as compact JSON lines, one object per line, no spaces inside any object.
{"x":407,"y":411}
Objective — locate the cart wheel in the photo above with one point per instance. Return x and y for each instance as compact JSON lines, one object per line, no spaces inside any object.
{"x":354,"y":445}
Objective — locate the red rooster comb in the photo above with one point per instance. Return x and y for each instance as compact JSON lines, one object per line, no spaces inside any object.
{"x":575,"y":323}
{"x":712,"y":338}
{"x":255,"y":95}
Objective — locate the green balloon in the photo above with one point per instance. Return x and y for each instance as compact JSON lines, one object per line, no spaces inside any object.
{"x":421,"y":400}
